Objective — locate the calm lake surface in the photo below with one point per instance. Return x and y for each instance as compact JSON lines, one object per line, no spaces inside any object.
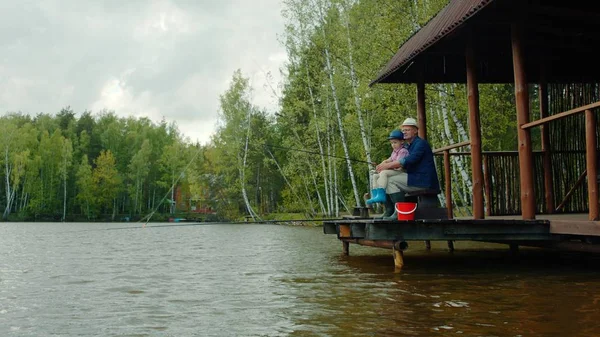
{"x":89,"y":279}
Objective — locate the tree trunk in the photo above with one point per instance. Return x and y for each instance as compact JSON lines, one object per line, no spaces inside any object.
{"x":283,"y":175}
{"x":114,"y":209}
{"x":64,"y":199}
{"x":458,"y":164}
{"x":329,"y":68}
{"x":9,"y":194}
{"x":331,"y":165}
{"x":318,"y":134}
{"x":242,"y":169}
{"x":354,"y":82}
{"x":341,"y":128}
{"x":172,"y":205}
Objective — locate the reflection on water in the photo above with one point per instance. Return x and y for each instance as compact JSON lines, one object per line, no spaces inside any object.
{"x":480,"y":293}
{"x":267,"y":280}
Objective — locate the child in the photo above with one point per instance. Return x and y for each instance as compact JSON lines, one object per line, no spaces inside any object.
{"x":379,"y":180}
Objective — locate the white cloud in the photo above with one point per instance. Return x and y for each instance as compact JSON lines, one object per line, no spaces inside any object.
{"x":159,"y":59}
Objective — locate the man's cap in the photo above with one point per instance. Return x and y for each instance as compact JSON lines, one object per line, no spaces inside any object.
{"x":410,"y":122}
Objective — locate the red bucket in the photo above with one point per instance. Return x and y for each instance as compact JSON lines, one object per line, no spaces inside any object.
{"x":406,"y":210}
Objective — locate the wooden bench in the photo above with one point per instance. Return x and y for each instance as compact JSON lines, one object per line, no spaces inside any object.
{"x":360,"y":213}
{"x":424,"y":197}
{"x":427,"y":204}
{"x":428,"y":208}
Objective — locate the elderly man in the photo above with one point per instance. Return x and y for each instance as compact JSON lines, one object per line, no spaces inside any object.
{"x":419,"y":169}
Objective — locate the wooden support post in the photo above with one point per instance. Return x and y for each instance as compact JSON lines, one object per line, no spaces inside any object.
{"x":421,"y":115}
{"x":448,"y":184}
{"x":448,"y":188}
{"x":488,"y":185}
{"x":545,"y":135}
{"x":450,"y":245}
{"x":524,"y":135}
{"x":398,"y":258}
{"x":591,"y":162}
{"x":346,"y":248}
{"x":474,"y":131}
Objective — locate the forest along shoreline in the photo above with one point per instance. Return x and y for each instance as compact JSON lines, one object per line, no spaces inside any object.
{"x":328,"y":126}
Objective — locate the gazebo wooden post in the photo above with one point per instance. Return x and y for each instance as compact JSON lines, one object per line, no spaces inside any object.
{"x":591,"y":159}
{"x":448,"y":184}
{"x":488,"y":185}
{"x":545,"y":135}
{"x":422,"y":119}
{"x":524,"y":135}
{"x":421,"y":116}
{"x":474,"y":132}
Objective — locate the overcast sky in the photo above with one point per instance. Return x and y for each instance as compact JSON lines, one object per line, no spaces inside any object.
{"x":155,"y":58}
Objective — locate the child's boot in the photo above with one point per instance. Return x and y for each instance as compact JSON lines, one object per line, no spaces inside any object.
{"x":378,"y":196}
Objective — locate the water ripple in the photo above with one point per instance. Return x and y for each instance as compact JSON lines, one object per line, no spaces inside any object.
{"x":263,"y":280}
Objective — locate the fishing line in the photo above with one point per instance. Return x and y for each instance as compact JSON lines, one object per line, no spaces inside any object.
{"x":317,"y":153}
{"x":225,"y":223}
{"x":149,"y":216}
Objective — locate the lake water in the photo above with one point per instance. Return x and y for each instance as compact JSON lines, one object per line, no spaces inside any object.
{"x":91,"y":279}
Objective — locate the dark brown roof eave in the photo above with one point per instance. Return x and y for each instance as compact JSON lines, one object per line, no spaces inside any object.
{"x":446,"y":21}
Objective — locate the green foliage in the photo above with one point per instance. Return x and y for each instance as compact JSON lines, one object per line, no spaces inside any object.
{"x":237,"y":162}
{"x":256,"y":163}
{"x":139,"y":169}
{"x":106,"y":179}
{"x":91,"y":167}
{"x":361,"y":37}
{"x":86,"y":197}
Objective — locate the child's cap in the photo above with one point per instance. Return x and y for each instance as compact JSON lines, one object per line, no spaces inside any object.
{"x":396,"y":134}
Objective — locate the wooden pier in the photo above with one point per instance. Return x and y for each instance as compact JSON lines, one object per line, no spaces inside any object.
{"x":473,"y":42}
{"x":563,"y":232}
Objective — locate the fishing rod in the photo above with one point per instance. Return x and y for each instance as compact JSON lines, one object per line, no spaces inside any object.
{"x":313,"y":152}
{"x":273,"y":221}
{"x":200,"y":223}
{"x":149,"y":216}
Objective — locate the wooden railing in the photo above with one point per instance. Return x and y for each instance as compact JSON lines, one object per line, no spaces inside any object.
{"x":561,"y":115}
{"x":448,"y":182}
{"x":502,"y":188}
{"x":506,"y":196}
{"x":590,"y":149}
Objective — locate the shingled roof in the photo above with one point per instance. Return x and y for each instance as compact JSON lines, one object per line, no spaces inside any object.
{"x":559,"y":38}
{"x":446,"y":21}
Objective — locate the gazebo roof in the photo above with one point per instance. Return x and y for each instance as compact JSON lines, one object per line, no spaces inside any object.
{"x":559,"y":38}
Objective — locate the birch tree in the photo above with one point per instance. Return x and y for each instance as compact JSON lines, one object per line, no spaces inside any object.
{"x":242,"y":167}
{"x":18,"y":144}
{"x":66,"y":156}
{"x":172,"y":163}
{"x":330,"y":72}
{"x":297,"y":40}
{"x":326,"y":183}
{"x":233,"y":141}
{"x":355,"y":83}
{"x":9,"y":143}
{"x":86,"y":196}
{"x":107,"y":181}
{"x":139,"y":168}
